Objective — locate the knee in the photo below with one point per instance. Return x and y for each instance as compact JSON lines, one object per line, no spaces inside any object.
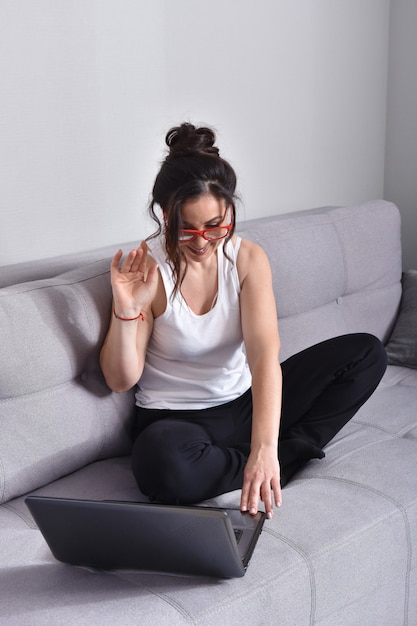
{"x":161,"y":462}
{"x":376,"y":352}
{"x":364,"y":357}
{"x":154,"y":460}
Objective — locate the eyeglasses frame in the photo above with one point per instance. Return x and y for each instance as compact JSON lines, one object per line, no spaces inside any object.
{"x":201,"y":233}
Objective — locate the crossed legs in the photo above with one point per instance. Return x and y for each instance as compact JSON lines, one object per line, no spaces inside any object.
{"x":184,"y":457}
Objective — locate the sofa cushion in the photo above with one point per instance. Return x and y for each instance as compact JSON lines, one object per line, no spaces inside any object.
{"x":341,"y":550}
{"x":402,"y":345}
{"x":53,"y":397}
{"x":318,"y":260}
{"x":57,"y":414}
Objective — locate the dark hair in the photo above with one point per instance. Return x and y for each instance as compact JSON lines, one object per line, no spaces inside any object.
{"x":192,"y":168}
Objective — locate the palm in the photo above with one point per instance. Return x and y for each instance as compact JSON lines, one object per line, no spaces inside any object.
{"x":134,"y":282}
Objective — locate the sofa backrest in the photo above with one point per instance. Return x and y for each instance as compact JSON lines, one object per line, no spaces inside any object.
{"x":335,"y":271}
{"x":56,"y":413}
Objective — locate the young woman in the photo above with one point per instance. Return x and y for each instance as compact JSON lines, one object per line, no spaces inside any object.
{"x":194,"y":326}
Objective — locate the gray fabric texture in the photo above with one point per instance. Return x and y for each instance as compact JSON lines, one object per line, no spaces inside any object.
{"x":402,"y":345}
{"x":341,"y":551}
{"x":53,"y":398}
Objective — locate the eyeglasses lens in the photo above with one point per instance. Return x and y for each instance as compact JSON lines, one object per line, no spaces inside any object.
{"x":210,"y":234}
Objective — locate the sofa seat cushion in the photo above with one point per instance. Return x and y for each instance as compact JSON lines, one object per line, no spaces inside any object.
{"x":375,"y":500}
{"x":109,"y":479}
{"x":311,"y":549}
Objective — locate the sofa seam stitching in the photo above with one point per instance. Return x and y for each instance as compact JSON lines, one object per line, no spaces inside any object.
{"x":406,"y":523}
{"x":399,"y":435}
{"x":344,"y":295}
{"x":6,"y":292}
{"x":304,"y":555}
{"x":2,"y":481}
{"x":343,"y":253}
{"x":21,"y":514}
{"x":39,"y":392}
{"x":245,"y":595}
{"x":171,"y":602}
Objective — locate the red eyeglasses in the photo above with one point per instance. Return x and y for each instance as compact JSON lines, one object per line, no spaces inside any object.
{"x":186,"y":235}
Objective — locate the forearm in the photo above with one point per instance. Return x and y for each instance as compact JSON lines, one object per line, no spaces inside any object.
{"x":262,"y":476}
{"x":267,"y":396}
{"x":121,"y":358}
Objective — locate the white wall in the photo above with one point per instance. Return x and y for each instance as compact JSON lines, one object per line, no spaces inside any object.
{"x":401,"y":145}
{"x":81,"y":93}
{"x":295,"y":89}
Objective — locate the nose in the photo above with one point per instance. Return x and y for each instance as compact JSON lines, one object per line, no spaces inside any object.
{"x":200,"y":242}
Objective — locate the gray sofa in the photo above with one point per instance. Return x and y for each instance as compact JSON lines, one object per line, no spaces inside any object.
{"x":341,"y":551}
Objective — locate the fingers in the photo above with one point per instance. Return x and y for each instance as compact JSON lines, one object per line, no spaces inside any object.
{"x":116,"y":260}
{"x":269,"y":492}
{"x":134,"y":262}
{"x":251,"y":493}
{"x":152,"y":273}
{"x":244,"y":499}
{"x":276,"y":489}
{"x":140,"y":259}
{"x":267,"y":500}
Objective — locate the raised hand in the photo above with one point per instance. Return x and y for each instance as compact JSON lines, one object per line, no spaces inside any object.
{"x":134,"y":281}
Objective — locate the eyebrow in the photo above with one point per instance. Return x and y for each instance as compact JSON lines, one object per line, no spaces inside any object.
{"x":213,"y":219}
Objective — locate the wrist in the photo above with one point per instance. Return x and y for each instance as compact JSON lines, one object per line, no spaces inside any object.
{"x":264,"y":446}
{"x":129,"y":317}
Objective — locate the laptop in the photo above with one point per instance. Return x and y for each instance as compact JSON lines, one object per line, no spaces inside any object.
{"x":147,"y":537}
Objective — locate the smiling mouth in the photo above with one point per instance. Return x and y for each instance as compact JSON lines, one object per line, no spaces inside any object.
{"x":199,"y":251}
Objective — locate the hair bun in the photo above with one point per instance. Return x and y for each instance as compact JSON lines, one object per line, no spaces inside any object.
{"x":187,"y":139}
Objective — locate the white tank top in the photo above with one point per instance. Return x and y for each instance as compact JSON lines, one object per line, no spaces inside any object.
{"x":196,"y":361}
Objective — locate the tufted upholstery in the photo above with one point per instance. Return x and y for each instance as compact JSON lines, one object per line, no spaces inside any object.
{"x":340,"y":552}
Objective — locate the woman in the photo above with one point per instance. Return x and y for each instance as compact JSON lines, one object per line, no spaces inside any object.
{"x":194,"y":325}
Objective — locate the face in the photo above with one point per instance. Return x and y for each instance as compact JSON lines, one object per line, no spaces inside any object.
{"x":198,"y":214}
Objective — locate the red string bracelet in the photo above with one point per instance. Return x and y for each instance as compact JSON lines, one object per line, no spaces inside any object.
{"x":129,"y":319}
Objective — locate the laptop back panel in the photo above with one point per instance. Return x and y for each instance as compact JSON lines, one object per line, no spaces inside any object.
{"x":145,"y":537}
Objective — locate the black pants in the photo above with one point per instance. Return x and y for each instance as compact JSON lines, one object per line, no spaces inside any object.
{"x":184,"y":457}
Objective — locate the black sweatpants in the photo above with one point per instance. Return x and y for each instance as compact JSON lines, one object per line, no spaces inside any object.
{"x":183,"y":457}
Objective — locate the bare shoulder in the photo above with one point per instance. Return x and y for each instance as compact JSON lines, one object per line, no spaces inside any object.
{"x":251,"y":260}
